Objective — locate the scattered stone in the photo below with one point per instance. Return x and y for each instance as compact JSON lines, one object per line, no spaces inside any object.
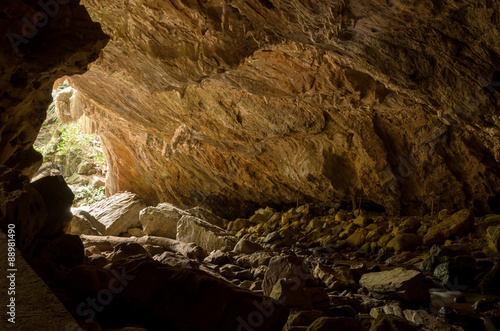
{"x":287,"y":267}
{"x":203,"y":234}
{"x":357,"y":239}
{"x":124,"y":250}
{"x":218,"y":257}
{"x":407,"y":285}
{"x":388,"y":309}
{"x":409,"y":225}
{"x":176,"y":261}
{"x":118,"y":213}
{"x":455,"y":225}
{"x":336,"y":278}
{"x":405,"y":242}
{"x":442,"y":254}
{"x":259,"y":272}
{"x":246,"y":246}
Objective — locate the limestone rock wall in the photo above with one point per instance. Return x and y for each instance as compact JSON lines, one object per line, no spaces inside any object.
{"x":270,"y":101}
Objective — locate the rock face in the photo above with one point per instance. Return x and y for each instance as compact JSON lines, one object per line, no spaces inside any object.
{"x":118,"y":213}
{"x":265,"y":102}
{"x":29,"y":65}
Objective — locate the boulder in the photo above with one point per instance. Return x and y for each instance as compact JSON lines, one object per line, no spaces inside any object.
{"x":206,"y":215}
{"x":291,"y":294}
{"x":203,"y":234}
{"x":161,"y":220}
{"x":183,"y":299}
{"x":357,"y":239}
{"x":85,"y":168}
{"x":387,"y":309}
{"x":407,"y":285}
{"x":410,"y":225}
{"x":118,"y":213}
{"x":405,"y":242}
{"x":83,"y":222}
{"x":336,"y":278}
{"x":176,"y":260}
{"x":246,"y":246}
{"x":287,"y":267}
{"x":455,"y":225}
{"x":442,"y":254}
{"x":493,"y":237}
{"x":124,"y":250}
{"x":58,"y":199}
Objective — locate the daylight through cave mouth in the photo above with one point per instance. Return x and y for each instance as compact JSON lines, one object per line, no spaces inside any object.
{"x":71,"y":148}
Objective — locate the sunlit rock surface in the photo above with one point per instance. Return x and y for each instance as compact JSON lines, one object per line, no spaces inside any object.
{"x":270,"y":102}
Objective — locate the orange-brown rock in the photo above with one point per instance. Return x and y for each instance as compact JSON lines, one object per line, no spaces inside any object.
{"x":269,"y":101}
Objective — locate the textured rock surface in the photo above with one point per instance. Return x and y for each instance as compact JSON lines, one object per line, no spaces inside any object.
{"x":399,"y":283}
{"x":64,"y":45}
{"x":269,"y":101}
{"x":161,"y":220}
{"x":455,"y":225}
{"x":203,"y":234}
{"x":118,"y":213}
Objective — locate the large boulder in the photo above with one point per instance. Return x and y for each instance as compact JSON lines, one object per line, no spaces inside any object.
{"x":455,"y":225}
{"x":161,"y":220}
{"x":157,"y":296}
{"x":21,"y":206}
{"x":287,"y":267}
{"x":407,"y":285}
{"x":203,"y":234}
{"x":118,"y":213}
{"x":206,"y":215}
{"x":58,"y":199}
{"x":84,"y":223}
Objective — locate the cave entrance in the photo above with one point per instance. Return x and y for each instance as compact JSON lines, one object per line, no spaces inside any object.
{"x":71,"y":148}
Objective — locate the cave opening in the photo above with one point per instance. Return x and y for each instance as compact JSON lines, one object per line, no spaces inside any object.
{"x":71,"y":148}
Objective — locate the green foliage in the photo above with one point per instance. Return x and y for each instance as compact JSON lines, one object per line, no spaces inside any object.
{"x":68,"y":141}
{"x":87,"y":195}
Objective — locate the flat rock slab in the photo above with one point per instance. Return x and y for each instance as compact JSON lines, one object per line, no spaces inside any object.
{"x":399,"y":283}
{"x":118,"y":213}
